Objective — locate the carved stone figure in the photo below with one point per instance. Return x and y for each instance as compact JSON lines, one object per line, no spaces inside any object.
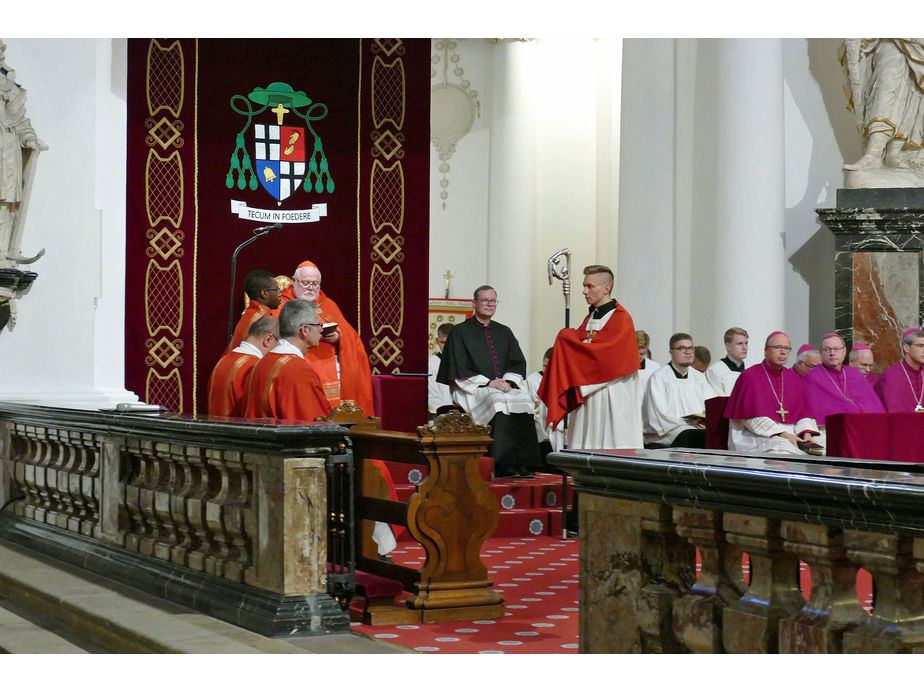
{"x":19,"y":149}
{"x":885,"y":79}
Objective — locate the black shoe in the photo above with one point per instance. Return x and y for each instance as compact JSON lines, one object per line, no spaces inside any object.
{"x":505,"y":473}
{"x":571,"y":533}
{"x":385,"y":557}
{"x":526,"y":474}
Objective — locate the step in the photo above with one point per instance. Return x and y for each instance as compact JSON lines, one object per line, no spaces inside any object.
{"x":19,"y":635}
{"x":118,"y":618}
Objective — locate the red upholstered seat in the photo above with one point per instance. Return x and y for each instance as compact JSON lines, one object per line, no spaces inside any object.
{"x":716,"y":424}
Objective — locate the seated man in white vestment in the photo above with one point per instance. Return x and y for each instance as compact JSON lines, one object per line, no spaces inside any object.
{"x":645,"y":364}
{"x":437,"y":393}
{"x":593,"y":373}
{"x":485,"y":370}
{"x":550,"y":439}
{"x":722,"y":374}
{"x":673,"y":392}
{"x":768,"y":410}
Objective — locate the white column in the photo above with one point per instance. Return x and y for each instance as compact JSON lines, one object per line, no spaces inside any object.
{"x":750,"y":196}
{"x":512,"y":196}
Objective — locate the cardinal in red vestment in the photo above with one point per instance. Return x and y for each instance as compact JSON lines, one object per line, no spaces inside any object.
{"x":340,"y":344}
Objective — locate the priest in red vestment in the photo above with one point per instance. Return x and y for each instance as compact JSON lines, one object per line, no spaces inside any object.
{"x":593,"y":373}
{"x":228,"y":382}
{"x":340,"y":359}
{"x":833,"y":389}
{"x":767,"y":409}
{"x":282,"y":385}
{"x":263,"y":291}
{"x":901,"y":385}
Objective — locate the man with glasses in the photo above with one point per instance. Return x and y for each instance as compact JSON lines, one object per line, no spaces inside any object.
{"x":901,"y":385}
{"x":282,"y":385}
{"x":228,"y":382}
{"x":485,"y":370}
{"x":767,"y":409}
{"x":673,"y":392}
{"x":264,"y":294}
{"x":340,"y":358}
{"x":832,"y":389}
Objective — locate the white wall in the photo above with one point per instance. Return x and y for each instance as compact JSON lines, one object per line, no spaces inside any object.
{"x":68,"y":345}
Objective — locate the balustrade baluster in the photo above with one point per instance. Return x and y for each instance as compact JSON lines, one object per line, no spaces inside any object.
{"x":751,"y":625}
{"x":897,"y":623}
{"x":833,"y":607}
{"x":214,"y":514}
{"x":168,"y":482}
{"x":697,"y":617}
{"x":206,"y":485}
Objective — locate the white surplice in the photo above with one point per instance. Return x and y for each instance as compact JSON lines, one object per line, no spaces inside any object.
{"x":761,"y":434}
{"x":668,"y":399}
{"x":437,"y":393}
{"x":611,"y":415}
{"x":482,"y":403}
{"x":555,"y":437}
{"x":721,"y":378}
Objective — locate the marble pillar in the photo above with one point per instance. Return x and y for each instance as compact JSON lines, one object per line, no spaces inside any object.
{"x":878,"y":267}
{"x":750,"y":256}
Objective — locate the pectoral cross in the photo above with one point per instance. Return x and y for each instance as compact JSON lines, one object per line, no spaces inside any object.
{"x":447,"y":276}
{"x":782,"y":412}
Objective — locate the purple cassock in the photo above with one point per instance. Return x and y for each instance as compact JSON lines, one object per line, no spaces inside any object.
{"x":762,"y":391}
{"x":846,"y":391}
{"x":901,"y":388}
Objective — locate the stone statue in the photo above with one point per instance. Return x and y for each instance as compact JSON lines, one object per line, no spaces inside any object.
{"x":19,"y":149}
{"x":885,"y":78}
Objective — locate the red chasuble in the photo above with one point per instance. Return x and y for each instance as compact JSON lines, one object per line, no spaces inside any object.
{"x":284,"y":386}
{"x":900,"y":387}
{"x":253,"y":312}
{"x":611,"y":353}
{"x":758,"y":391}
{"x":355,"y":384}
{"x":228,"y":384}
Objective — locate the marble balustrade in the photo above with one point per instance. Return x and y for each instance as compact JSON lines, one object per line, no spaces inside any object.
{"x":235,"y":502}
{"x":644,"y":513}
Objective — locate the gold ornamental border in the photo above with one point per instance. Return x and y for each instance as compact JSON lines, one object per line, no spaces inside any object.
{"x":385,"y":137}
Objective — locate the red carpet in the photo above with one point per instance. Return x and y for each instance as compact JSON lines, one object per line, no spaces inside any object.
{"x":538,"y":577}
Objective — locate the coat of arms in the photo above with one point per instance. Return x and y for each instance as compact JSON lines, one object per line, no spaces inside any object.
{"x":279,"y":159}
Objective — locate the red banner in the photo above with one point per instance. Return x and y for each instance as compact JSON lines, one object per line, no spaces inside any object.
{"x":328,"y":137}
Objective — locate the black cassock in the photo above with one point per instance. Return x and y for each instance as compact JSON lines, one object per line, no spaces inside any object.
{"x":492,"y":351}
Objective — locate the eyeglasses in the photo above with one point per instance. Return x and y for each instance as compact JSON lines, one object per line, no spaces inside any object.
{"x":685,"y":349}
{"x":272,"y":288}
{"x":319,"y":325}
{"x":306,"y":284}
{"x":489,"y":301}
{"x":784,"y":349}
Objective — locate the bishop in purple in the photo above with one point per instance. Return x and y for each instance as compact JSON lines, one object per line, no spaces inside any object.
{"x":767,"y":409}
{"x":833,"y":389}
{"x":901,"y":385}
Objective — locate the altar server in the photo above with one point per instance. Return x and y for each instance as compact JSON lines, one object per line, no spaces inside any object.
{"x":593,"y":373}
{"x":722,"y":374}
{"x":228,"y":382}
{"x":673,"y":392}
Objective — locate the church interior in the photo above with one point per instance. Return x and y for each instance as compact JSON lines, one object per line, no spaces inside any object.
{"x":710,"y":180}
